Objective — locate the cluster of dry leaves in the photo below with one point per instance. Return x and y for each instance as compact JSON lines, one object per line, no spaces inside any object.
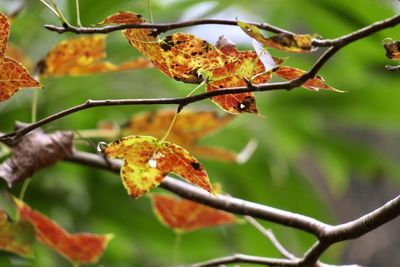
{"x":148,"y":155}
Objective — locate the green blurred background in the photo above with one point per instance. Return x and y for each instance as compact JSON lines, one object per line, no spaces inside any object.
{"x":327,"y":155}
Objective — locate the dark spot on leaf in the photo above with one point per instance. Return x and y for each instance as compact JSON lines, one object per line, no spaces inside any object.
{"x":167,"y":43}
{"x":196,"y":166}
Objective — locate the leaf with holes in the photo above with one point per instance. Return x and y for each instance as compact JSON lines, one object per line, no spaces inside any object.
{"x":246,"y":68}
{"x":314,"y":84}
{"x":392,"y":49}
{"x":181,"y":56}
{"x":13,"y":76}
{"x":184,"y":215}
{"x":148,"y":160}
{"x":82,"y":248}
{"x":16,"y":237}
{"x":297,"y":43}
{"x":83,"y":56}
{"x":189,"y":127}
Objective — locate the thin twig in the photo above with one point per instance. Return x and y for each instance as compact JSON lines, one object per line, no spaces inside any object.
{"x":160,"y":27}
{"x":393,"y":68}
{"x":270,"y":235}
{"x":241,"y":258}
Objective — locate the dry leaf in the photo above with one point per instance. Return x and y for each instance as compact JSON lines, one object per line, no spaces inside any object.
{"x":83,"y":56}
{"x":13,"y":76}
{"x":298,"y":43}
{"x":82,"y":248}
{"x":148,"y":160}
{"x":184,"y":215}
{"x":315,"y":84}
{"x":392,"y":49}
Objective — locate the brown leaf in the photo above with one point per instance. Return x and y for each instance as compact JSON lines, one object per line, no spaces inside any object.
{"x":13,"y":75}
{"x":83,"y":56}
{"x":314,"y":84}
{"x":392,"y":49}
{"x":35,"y":151}
{"x":298,"y":43}
{"x":81,"y":248}
{"x":184,"y":215}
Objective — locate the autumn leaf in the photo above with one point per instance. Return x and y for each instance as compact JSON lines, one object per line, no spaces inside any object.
{"x":148,"y":160}
{"x":392,"y":49}
{"x":81,"y":248}
{"x":189,"y":127}
{"x":298,"y":43}
{"x":314,"y":84}
{"x":237,"y":73}
{"x":16,"y":237}
{"x":13,"y":76}
{"x":181,"y":56}
{"x":184,"y":215}
{"x":83,"y":56}
{"x":12,"y":51}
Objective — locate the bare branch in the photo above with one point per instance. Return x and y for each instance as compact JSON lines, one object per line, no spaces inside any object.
{"x":393,"y":68}
{"x":240,"y":258}
{"x":270,"y":235}
{"x":160,"y":27}
{"x":326,"y":234}
{"x":227,"y":203}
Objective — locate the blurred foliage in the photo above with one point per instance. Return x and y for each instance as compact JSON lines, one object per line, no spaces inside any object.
{"x":352,"y":134}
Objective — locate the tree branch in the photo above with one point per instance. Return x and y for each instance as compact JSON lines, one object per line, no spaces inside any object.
{"x":336,"y":45}
{"x":240,"y":258}
{"x":160,"y":27}
{"x":270,"y":235}
{"x":327,"y":235}
{"x":227,"y":203}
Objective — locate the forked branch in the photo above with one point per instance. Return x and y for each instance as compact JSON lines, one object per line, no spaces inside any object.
{"x":326,"y":234}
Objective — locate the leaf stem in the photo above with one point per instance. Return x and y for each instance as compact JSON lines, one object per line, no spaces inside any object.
{"x":60,"y":15}
{"x":170,"y":127}
{"x":150,"y":11}
{"x":78,"y":14}
{"x":51,"y":9}
{"x":24,"y":188}
{"x":177,"y":247}
{"x":35,"y":99}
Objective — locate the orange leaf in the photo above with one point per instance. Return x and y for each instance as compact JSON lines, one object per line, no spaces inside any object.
{"x":188,"y":128}
{"x":298,"y":43}
{"x":184,"y":215}
{"x":181,"y":56}
{"x":82,"y":248}
{"x":14,"y":52}
{"x":17,"y":237}
{"x":82,"y":56}
{"x":392,"y":49}
{"x":234,"y":74}
{"x":315,"y":84}
{"x":13,"y":75}
{"x":147,"y":160}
